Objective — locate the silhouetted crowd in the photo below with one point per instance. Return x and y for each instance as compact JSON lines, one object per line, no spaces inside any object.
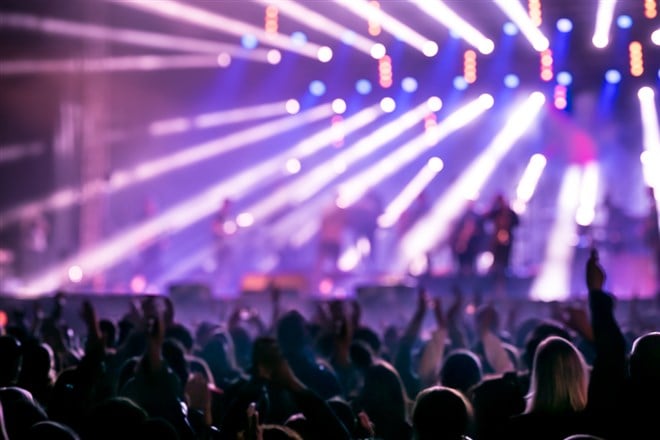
{"x":476,"y":373}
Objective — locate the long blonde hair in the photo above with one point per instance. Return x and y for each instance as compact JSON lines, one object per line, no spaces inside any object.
{"x":559,"y":379}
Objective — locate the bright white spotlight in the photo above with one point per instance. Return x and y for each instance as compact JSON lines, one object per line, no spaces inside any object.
{"x":444,"y":15}
{"x":554,"y":279}
{"x":655,"y":37}
{"x":321,"y":23}
{"x":353,"y":189}
{"x":409,"y":84}
{"x":517,"y":13}
{"x":530,"y":178}
{"x":410,"y":192}
{"x":586,"y":212}
{"x":613,"y":76}
{"x":564,"y":79}
{"x":75,"y":274}
{"x":435,"y":164}
{"x":378,"y":51}
{"x":604,"y":17}
{"x":293,"y":166}
{"x":127,"y":36}
{"x":244,"y":220}
{"x":249,"y":41}
{"x":430,"y":49}
{"x":292,"y":106}
{"x":651,"y":137}
{"x":274,"y":56}
{"x":511,"y":81}
{"x":564,"y":25}
{"x":387,"y":104}
{"x":434,"y":103}
{"x":388,"y":23}
{"x":204,"y":18}
{"x":324,"y":54}
{"x":339,"y":106}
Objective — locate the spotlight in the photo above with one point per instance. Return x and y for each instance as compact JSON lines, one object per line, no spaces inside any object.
{"x":613,"y":76}
{"x":75,"y":274}
{"x":249,"y":41}
{"x":434,"y":103}
{"x":510,"y":29}
{"x":430,"y":48}
{"x":409,"y":84}
{"x":317,"y":88}
{"x":274,"y":56}
{"x":655,"y":37}
{"x":224,"y":59}
{"x":564,"y":78}
{"x":244,"y":220}
{"x":324,"y":54}
{"x":460,"y":83}
{"x":378,"y":51}
{"x":339,"y":106}
{"x":388,"y":105}
{"x":624,"y":22}
{"x":299,"y":38}
{"x":292,"y":106}
{"x":293,"y":166}
{"x":511,"y":81}
{"x":363,"y":86}
{"x":564,"y":25}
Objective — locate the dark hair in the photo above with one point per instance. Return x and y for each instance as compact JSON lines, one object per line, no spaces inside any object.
{"x":441,"y":412}
{"x":461,"y":370}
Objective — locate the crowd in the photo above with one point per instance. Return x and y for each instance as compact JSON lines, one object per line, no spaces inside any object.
{"x":330,"y":375}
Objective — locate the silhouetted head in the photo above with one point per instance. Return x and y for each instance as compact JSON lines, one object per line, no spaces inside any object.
{"x":108,"y":332}
{"x":219,"y":356}
{"x":174,"y":355}
{"x":441,"y":413}
{"x":645,"y":362}
{"x":541,"y":332}
{"x":181,"y":333}
{"x":383,"y":392}
{"x":461,"y":370}
{"x":12,"y":356}
{"x":20,"y":411}
{"x":115,"y":418}
{"x":49,"y":430}
{"x":292,"y":333}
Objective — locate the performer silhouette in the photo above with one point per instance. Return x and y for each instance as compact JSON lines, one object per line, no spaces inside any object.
{"x":504,"y":220}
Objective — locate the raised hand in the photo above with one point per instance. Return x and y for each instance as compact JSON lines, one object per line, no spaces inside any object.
{"x":595,"y":274}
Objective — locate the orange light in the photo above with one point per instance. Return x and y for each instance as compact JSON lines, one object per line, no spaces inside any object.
{"x":547,"y":65}
{"x":636,"y":59}
{"x":560,"y":97}
{"x":534,"y":7}
{"x":385,"y":75}
{"x":271,"y":21}
{"x":470,"y":66}
{"x":650,"y":9}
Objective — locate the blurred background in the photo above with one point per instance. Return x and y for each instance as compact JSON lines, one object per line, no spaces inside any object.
{"x":170,"y":146}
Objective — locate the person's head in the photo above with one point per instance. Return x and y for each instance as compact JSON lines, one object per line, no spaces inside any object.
{"x":461,"y":370}
{"x":12,"y":357}
{"x":542,"y":331}
{"x":559,"y":378}
{"x":219,"y":356}
{"x":645,"y":362}
{"x":20,"y":411}
{"x":383,"y":392}
{"x":292,"y":332}
{"x":181,"y":334}
{"x":49,"y":430}
{"x":441,"y":413}
{"x":108,"y":332}
{"x":38,"y":364}
{"x":174,"y":355}
{"x":115,"y":418}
